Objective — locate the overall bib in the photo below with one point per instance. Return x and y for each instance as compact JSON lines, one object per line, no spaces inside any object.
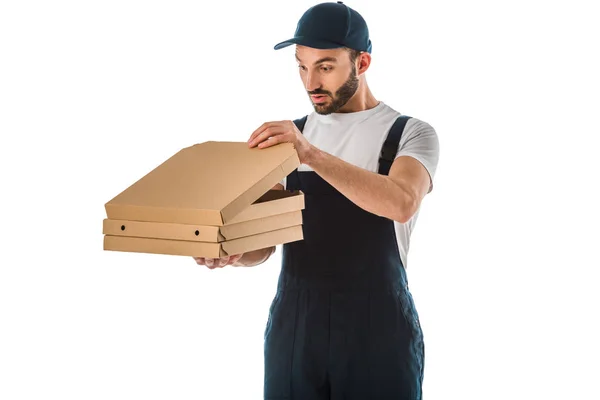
{"x":342,"y":324}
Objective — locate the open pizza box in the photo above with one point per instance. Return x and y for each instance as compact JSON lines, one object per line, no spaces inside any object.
{"x":211,"y":199}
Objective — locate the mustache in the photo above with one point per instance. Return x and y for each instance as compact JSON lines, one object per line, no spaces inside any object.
{"x":318,"y":92}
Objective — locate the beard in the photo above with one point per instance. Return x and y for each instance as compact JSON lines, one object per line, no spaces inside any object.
{"x":342,"y":95}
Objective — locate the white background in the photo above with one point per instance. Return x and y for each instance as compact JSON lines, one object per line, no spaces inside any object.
{"x":503,"y":263}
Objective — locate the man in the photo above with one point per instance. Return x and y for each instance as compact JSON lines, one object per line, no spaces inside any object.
{"x":343,"y":324}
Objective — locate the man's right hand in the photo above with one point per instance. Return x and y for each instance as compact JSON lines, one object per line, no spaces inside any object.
{"x":213,"y":263}
{"x":254,"y":257}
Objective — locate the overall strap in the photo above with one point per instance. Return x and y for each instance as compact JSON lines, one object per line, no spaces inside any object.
{"x":390,"y":146}
{"x":300,"y":123}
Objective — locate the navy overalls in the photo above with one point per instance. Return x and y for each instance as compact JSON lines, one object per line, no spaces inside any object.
{"x":342,"y":324}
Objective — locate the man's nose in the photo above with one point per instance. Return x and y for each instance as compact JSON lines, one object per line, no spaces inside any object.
{"x":312,"y":82}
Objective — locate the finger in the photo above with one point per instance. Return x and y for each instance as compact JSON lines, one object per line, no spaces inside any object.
{"x":209,"y":262}
{"x":223,"y":261}
{"x":259,"y":130}
{"x":199,"y":260}
{"x":235,"y":258}
{"x":268,"y":132}
{"x":259,"y":137}
{"x":263,"y":127}
{"x":284,"y":137}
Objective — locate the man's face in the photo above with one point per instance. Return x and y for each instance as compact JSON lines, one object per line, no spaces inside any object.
{"x":328,"y":76}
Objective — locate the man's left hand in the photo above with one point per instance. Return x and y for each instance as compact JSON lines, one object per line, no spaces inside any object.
{"x":275,"y":132}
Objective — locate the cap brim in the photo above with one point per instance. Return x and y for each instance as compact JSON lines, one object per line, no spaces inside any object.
{"x":308,"y":42}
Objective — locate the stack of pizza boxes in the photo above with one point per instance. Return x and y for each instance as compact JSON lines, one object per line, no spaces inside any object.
{"x":211,"y":199}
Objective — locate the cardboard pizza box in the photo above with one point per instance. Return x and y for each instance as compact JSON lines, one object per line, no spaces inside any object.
{"x":208,"y":200}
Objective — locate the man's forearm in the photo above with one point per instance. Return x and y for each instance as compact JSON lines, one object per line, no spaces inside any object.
{"x":373,"y":192}
{"x":253,"y":258}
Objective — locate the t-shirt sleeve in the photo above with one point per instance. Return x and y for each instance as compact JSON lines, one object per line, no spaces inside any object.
{"x":283,"y":181}
{"x":420,"y":141}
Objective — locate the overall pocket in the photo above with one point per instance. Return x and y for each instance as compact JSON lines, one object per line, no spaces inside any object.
{"x":274,"y":303}
{"x":409,"y":311}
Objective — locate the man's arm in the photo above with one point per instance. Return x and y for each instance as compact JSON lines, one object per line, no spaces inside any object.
{"x":396,"y":196}
{"x":257,"y":257}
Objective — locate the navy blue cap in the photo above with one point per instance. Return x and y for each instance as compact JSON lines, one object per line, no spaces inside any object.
{"x":329,"y":26}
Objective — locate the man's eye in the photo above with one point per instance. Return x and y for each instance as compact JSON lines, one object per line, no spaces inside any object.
{"x":302,"y":67}
{"x":327,"y":69}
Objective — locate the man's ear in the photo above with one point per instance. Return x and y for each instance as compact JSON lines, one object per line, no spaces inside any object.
{"x":363,"y":62}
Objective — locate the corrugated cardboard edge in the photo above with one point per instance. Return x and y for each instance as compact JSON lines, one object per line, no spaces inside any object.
{"x":261,"y":187}
{"x":162,"y":246}
{"x":200,"y":233}
{"x":158,"y":214}
{"x":261,"y":225}
{"x":202,"y":249}
{"x":270,"y":208}
{"x":161,"y":230}
{"x":263,"y":240}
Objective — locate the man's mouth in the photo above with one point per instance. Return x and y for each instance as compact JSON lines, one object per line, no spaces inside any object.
{"x":318,"y":98}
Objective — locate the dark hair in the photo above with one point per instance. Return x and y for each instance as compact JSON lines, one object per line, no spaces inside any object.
{"x":353,"y":54}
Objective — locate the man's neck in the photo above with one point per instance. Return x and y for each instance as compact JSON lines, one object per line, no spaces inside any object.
{"x":360,"y":102}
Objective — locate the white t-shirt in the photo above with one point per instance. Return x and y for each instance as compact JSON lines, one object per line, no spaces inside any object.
{"x":358,"y":137}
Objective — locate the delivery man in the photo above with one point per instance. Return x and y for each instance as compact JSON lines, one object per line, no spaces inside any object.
{"x":343,"y":324}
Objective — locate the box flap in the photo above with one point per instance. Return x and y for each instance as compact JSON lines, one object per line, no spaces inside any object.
{"x":207,"y":183}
